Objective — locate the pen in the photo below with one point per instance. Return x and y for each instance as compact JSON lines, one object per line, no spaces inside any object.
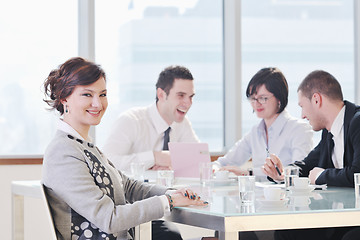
{"x":276,"y":167}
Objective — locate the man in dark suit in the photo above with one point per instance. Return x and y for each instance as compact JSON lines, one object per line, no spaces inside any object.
{"x":337,"y":157}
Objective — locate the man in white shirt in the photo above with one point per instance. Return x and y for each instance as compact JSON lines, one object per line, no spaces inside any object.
{"x":142,"y":134}
{"x":138,"y":134}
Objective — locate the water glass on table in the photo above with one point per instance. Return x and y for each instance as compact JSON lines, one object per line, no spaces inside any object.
{"x":290,"y":173}
{"x":357,"y":186}
{"x":206,"y":171}
{"x":247,"y":189}
{"x":137,"y":170}
{"x":165,"y":178}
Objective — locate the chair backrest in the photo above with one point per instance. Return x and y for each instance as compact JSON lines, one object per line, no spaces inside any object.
{"x":48,"y":213}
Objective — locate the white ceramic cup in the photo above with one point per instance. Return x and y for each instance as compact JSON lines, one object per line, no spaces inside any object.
{"x":273,"y":194}
{"x":222,"y":175}
{"x":301,"y":182}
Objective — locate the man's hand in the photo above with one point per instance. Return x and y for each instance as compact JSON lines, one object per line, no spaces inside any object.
{"x":162,"y":159}
{"x":156,"y":167}
{"x":234,"y":169}
{"x":314,"y":173}
{"x":270,"y":170}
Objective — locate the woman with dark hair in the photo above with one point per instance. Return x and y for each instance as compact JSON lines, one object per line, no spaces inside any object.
{"x":277,"y":133}
{"x":88,"y":197}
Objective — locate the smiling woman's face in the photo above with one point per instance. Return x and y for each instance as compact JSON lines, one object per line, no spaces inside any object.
{"x":86,"y":105}
{"x":268,"y":109}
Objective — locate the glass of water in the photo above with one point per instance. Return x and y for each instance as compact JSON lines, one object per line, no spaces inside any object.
{"x":138,"y":170}
{"x":165,"y":178}
{"x":357,"y":186}
{"x":247,"y":189}
{"x":206,"y":170}
{"x":290,"y":173}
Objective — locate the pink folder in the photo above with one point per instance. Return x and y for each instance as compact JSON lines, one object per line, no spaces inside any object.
{"x":186,"y":157}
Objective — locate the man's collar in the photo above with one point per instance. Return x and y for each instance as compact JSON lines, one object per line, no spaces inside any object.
{"x":338,"y":122}
{"x":159,"y":123}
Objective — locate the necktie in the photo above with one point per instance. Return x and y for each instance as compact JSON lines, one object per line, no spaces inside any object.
{"x":330,"y":144}
{"x":166,"y":139}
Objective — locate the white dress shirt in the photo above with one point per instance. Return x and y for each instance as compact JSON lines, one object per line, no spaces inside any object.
{"x":65,"y":127}
{"x":290,"y":139}
{"x":337,"y":130}
{"x":140,"y":131}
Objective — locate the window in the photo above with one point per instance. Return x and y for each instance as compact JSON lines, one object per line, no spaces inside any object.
{"x":34,"y":40}
{"x":136,"y":40}
{"x":297,"y":37}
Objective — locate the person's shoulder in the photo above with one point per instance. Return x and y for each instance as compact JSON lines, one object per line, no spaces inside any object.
{"x":297,"y":123}
{"x":63,"y":144}
{"x":355,"y":120}
{"x":137,"y":110}
{"x":184,"y":123}
{"x":134,"y":114}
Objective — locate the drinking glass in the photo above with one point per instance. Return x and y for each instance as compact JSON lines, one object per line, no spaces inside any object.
{"x":357,"y":186}
{"x":290,"y":173}
{"x":247,"y":189}
{"x":138,"y":170}
{"x":165,"y":178}
{"x":206,"y":170}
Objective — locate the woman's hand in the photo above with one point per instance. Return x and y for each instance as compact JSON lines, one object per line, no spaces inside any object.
{"x":185,"y":197}
{"x":271,"y":163}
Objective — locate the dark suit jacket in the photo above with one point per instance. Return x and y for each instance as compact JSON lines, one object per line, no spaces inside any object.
{"x":319,"y":156}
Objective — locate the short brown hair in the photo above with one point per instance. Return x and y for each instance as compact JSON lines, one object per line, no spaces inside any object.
{"x":274,"y":81}
{"x":169,"y":74}
{"x":319,"y":81}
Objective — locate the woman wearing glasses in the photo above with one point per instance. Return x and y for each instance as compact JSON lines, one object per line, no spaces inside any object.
{"x":277,"y":133}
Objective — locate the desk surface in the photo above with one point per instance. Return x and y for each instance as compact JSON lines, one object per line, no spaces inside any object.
{"x":324,"y":208}
{"x":320,"y":208}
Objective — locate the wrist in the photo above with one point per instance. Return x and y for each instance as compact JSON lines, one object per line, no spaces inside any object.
{"x":171,"y":202}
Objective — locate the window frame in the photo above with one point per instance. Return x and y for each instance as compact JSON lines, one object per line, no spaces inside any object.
{"x":232,"y":74}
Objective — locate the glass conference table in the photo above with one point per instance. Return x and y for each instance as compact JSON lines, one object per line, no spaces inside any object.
{"x":331,"y":207}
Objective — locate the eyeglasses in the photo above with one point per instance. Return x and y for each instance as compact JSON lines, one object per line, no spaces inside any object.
{"x":261,"y":100}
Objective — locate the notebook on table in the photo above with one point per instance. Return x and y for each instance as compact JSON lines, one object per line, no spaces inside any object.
{"x":186,"y":157}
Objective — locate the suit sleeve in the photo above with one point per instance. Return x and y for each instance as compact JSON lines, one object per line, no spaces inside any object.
{"x":345,"y":177}
{"x":312,"y":159}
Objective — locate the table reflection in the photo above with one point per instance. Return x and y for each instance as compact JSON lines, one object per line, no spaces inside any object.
{"x":226,"y":200}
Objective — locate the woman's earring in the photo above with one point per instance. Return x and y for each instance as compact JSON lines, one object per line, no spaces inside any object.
{"x":279,"y":105}
{"x":66,"y":109}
